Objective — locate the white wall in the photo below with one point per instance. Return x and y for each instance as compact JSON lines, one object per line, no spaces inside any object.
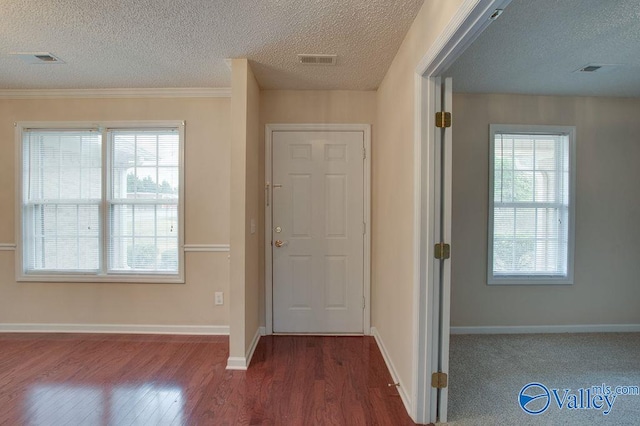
{"x":606,"y":289}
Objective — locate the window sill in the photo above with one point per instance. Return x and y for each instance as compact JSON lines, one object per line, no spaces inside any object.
{"x":114,"y":279}
{"x":510,"y":280}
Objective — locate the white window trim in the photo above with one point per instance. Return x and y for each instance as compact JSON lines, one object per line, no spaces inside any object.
{"x":111,"y":277}
{"x":570,"y":131}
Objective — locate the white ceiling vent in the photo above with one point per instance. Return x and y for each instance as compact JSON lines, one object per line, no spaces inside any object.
{"x":317,"y":59}
{"x":38,"y":58}
{"x":598,"y":68}
{"x":591,"y":68}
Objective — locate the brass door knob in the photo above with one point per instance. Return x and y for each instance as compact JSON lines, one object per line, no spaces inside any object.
{"x":279,"y":243}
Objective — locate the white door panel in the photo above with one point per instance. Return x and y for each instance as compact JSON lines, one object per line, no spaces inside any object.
{"x":318,"y":205}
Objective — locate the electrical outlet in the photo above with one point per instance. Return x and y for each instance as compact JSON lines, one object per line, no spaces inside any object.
{"x":219,"y":298}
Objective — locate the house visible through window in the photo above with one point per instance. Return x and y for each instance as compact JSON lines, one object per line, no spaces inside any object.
{"x":102,"y":203}
{"x":531,"y":209}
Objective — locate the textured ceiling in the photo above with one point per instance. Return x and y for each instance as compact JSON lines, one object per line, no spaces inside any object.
{"x":183,"y":43}
{"x":535,"y":46}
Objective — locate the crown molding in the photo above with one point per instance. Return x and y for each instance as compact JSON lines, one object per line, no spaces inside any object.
{"x":171,"y":92}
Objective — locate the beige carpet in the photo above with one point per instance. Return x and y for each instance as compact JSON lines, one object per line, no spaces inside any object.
{"x":488,"y":372}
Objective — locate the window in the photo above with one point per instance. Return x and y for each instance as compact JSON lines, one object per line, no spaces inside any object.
{"x":101,"y":202}
{"x":531,"y":204}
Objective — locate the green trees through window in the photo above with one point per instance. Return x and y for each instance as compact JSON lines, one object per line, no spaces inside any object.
{"x":147,"y":185}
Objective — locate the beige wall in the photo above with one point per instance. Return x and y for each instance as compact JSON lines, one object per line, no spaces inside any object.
{"x":393,"y":204}
{"x":245,"y":252}
{"x":605,"y":289}
{"x":317,"y":106}
{"x":254,"y":251}
{"x":310,"y":106}
{"x":206,"y":221}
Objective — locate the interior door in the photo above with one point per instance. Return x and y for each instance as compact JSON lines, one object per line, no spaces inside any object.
{"x":442,"y":266}
{"x":317,"y":231}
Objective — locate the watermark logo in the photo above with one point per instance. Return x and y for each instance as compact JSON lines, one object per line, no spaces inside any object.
{"x":535,"y":398}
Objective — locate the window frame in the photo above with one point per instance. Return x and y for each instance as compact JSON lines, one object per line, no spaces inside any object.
{"x":570,"y":132}
{"x":103,"y":275}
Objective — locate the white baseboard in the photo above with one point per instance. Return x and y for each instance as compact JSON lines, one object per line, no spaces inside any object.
{"x":242,"y":363}
{"x":251,"y":349}
{"x":402,"y":389}
{"x":528,"y":329}
{"x":213,"y":330}
{"x":236,"y":363}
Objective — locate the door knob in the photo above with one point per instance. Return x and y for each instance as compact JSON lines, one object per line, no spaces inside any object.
{"x":279,"y":243}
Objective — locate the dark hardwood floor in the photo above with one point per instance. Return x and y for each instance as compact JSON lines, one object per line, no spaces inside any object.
{"x":89,"y":379}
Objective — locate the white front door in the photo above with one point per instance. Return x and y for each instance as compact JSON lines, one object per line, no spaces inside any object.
{"x":317,"y":231}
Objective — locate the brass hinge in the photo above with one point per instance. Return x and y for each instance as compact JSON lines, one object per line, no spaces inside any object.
{"x":439,"y":380}
{"x":364,"y":153}
{"x":442,"y":251}
{"x":443,"y":119}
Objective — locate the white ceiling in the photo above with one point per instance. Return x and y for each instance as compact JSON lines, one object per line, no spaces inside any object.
{"x":535,"y":46}
{"x":183,"y":43}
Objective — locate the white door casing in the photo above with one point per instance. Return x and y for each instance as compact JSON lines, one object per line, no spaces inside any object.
{"x":469,"y":21}
{"x":317,"y":229}
{"x":442,"y":268}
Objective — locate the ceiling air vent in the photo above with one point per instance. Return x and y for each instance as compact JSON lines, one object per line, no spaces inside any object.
{"x":46,"y":58}
{"x":598,"y":68}
{"x":38,"y":58}
{"x":317,"y":59}
{"x":590,"y":68}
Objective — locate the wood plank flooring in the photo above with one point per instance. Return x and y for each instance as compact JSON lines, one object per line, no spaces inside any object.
{"x":90,"y":379}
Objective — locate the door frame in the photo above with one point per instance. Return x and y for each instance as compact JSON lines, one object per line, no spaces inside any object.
{"x":268,"y":216}
{"x":471,"y":18}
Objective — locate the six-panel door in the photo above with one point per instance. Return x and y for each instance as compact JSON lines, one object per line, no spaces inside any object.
{"x":317,"y":231}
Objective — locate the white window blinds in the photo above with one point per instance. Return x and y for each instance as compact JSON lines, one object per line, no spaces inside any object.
{"x":143,"y":202}
{"x":62,"y":174}
{"x":103,"y":203}
{"x":530,"y":211}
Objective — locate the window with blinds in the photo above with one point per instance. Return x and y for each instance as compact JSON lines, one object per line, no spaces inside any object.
{"x":531,"y":206}
{"x":102,"y":203}
{"x":62,"y":191}
{"x":143,"y":200}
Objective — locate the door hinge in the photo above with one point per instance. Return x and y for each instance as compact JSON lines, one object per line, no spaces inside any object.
{"x":266,"y":193}
{"x":364,"y":302}
{"x":439,"y":380}
{"x":364,"y":153}
{"x":442,"y":251}
{"x":443,"y":119}
{"x":364,"y":228}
